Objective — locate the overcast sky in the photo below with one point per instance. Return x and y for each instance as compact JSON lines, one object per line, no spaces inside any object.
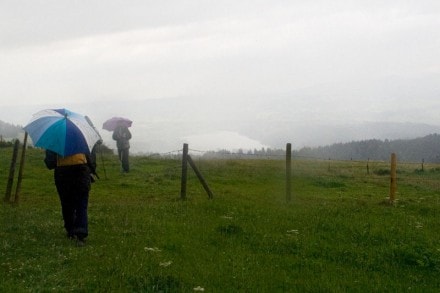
{"x":340,"y":60}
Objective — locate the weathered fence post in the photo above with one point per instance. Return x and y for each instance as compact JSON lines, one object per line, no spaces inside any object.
{"x":20,"y":170}
{"x":288,"y":172}
{"x":393,"y":178}
{"x":11,"y":172}
{"x":186,"y":159}
{"x":200,"y":176}
{"x":184,"y":171}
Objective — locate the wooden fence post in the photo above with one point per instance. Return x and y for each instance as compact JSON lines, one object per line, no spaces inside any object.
{"x":11,"y":172}
{"x":199,"y":175}
{"x":20,"y":170}
{"x":393,"y":178}
{"x":288,"y":172}
{"x":184,"y":171}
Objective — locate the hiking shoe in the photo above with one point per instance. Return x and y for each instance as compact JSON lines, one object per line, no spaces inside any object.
{"x":80,"y":242}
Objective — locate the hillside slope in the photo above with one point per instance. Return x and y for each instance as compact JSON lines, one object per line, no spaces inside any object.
{"x":425,"y":148}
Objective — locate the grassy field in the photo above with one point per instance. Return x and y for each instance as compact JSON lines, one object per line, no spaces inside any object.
{"x":337,"y":234}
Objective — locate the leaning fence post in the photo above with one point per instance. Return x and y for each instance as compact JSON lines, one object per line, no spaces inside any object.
{"x":11,"y":172}
{"x":200,"y":176}
{"x":393,"y":178}
{"x":288,"y":172}
{"x":184,"y":171}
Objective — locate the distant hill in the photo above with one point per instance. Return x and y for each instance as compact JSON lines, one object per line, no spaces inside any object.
{"x":312,"y":134}
{"x":9,"y":131}
{"x":425,"y":148}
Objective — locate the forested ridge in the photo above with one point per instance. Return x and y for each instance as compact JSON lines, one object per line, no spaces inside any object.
{"x":425,"y":148}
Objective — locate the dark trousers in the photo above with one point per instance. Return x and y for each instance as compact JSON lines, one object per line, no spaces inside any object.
{"x":73,"y":186}
{"x":123,"y":157}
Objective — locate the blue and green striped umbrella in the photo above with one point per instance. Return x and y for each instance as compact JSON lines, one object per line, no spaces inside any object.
{"x":62,"y":131}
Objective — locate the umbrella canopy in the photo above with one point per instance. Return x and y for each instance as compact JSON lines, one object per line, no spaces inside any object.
{"x":62,"y":131}
{"x":112,"y":123}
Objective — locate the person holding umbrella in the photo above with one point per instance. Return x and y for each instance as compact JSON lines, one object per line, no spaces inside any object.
{"x":70,"y":140}
{"x":122,"y":135}
{"x":73,"y":177}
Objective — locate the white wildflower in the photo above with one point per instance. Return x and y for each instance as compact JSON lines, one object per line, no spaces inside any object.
{"x":294,"y":231}
{"x":153,"y":249}
{"x":198,"y":288}
{"x":165,"y":263}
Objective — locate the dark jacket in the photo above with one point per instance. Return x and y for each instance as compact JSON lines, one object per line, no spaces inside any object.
{"x":122,"y":136}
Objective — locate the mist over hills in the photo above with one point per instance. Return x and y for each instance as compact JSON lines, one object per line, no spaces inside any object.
{"x":163,"y":125}
{"x":166,"y":124}
{"x":9,"y":131}
{"x":411,"y":142}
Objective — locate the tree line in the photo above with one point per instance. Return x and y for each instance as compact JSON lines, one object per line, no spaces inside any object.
{"x":425,"y":148}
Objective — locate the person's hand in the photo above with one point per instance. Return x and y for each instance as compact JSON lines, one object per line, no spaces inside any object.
{"x":93,"y":178}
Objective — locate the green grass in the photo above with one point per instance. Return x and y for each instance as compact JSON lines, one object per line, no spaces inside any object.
{"x":338,"y":234}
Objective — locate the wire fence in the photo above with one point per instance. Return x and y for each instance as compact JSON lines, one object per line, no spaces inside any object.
{"x":330,"y":172}
{"x":420,"y":174}
{"x":210,"y":164}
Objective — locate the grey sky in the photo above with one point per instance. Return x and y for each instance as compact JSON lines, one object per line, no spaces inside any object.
{"x":332,"y":60}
